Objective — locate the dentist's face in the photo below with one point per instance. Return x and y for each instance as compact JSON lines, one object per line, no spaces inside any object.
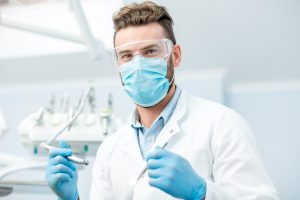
{"x":152,"y":31}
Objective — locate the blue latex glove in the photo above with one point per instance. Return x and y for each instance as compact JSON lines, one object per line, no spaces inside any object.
{"x":174,"y":175}
{"x":61,"y":174}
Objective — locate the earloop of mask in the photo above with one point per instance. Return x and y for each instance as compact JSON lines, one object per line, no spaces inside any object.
{"x":172,"y":80}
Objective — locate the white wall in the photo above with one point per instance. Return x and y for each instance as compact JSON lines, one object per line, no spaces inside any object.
{"x":254,"y":39}
{"x":273,"y":111}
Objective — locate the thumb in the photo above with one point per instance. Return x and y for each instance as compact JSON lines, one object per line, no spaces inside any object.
{"x":63,"y":144}
{"x":158,"y":147}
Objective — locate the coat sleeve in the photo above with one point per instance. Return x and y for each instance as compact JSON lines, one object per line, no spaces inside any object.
{"x":238,"y":172}
{"x":101,"y":186}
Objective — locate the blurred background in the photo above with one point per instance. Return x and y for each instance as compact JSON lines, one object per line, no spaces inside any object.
{"x":243,"y":54}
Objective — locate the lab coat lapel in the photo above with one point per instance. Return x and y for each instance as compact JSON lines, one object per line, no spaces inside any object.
{"x":166,"y":134}
{"x":130,"y":141}
{"x":172,"y":127}
{"x":142,"y":189}
{"x":131,"y":145}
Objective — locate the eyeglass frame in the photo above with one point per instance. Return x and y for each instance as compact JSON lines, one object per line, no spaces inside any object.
{"x":115,"y":59}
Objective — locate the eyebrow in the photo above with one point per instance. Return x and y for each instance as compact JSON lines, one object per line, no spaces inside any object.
{"x":149,"y":46}
{"x":124,"y":51}
{"x":143,"y":48}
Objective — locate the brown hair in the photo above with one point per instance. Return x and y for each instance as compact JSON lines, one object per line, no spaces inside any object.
{"x":144,"y":13}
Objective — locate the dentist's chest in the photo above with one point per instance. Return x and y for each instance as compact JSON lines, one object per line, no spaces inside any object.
{"x":187,"y":140}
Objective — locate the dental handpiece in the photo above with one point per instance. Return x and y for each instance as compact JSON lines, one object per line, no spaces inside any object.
{"x":72,"y":158}
{"x":68,"y":126}
{"x":133,"y":181}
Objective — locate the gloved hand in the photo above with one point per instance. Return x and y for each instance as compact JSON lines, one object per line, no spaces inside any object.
{"x":61,"y":174}
{"x":174,"y":175}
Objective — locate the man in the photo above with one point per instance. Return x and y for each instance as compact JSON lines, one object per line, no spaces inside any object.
{"x":192,"y":148}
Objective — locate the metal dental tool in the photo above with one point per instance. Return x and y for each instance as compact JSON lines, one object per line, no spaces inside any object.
{"x":47,"y":145}
{"x":92,"y":100}
{"x":71,"y":114}
{"x":71,"y":158}
{"x":110,"y":101}
{"x":105,"y":118}
{"x":105,"y":115}
{"x":39,"y":115}
{"x":38,"y":118}
{"x":51,"y":107}
{"x":133,"y":181}
{"x":64,"y":103}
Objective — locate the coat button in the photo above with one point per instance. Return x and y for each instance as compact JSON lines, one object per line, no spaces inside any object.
{"x":149,"y":138}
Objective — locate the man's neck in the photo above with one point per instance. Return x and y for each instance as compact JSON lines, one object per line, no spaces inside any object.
{"x":149,"y":115}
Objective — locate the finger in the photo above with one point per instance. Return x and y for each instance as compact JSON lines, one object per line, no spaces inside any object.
{"x":57,"y":169}
{"x":154,"y":163}
{"x":54,"y":179}
{"x":154,"y":173}
{"x":63,"y":144}
{"x":59,"y":151}
{"x":62,"y":160}
{"x":157,"y":153}
{"x":159,"y":183}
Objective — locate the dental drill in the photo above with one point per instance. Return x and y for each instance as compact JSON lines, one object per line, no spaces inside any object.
{"x":47,"y":144}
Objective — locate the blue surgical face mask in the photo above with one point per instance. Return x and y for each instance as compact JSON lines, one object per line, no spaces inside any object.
{"x":145,"y":80}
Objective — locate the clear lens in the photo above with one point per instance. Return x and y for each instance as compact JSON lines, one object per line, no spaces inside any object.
{"x":148,"y":48}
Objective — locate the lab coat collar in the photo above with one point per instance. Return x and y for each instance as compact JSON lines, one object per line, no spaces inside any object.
{"x":130,"y":141}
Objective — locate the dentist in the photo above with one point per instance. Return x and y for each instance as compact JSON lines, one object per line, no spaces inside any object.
{"x":208,"y":153}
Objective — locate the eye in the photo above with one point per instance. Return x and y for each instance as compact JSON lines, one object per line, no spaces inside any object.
{"x":126,"y":56}
{"x":150,"y":52}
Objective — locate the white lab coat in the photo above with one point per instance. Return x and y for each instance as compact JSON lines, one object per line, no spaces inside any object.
{"x":214,"y":139}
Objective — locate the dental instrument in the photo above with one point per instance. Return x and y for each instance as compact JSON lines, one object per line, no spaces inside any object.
{"x":71,"y":158}
{"x":133,"y":181}
{"x":46,"y":145}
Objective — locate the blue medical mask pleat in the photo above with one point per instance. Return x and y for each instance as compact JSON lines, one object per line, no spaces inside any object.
{"x":145,"y":80}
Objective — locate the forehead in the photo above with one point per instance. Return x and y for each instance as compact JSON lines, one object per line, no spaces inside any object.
{"x":132,"y":34}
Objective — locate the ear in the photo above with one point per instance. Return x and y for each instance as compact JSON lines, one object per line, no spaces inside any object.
{"x":176,"y":55}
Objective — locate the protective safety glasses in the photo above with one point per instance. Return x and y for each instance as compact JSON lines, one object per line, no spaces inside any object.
{"x":161,"y":48}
